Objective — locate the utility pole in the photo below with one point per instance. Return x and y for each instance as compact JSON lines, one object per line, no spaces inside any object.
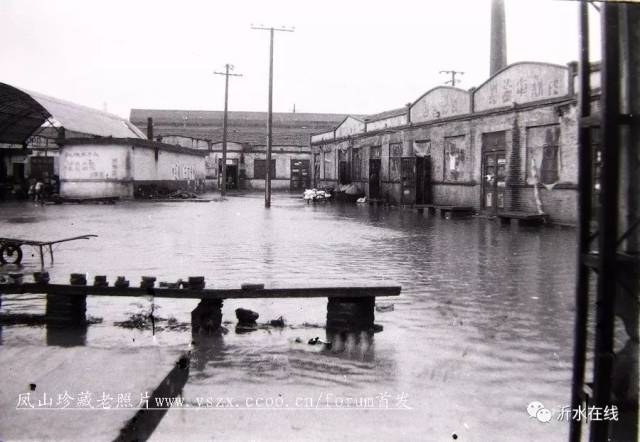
{"x":267,"y":179}
{"x":228,"y":67}
{"x":452,"y":82}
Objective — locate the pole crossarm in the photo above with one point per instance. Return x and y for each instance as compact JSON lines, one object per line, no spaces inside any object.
{"x":453,"y":74}
{"x":281,"y":28}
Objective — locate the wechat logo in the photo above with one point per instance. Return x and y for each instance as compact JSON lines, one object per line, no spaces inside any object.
{"x":537,"y":410}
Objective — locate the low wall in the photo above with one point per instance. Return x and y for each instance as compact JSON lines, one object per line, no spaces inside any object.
{"x":100,"y":168}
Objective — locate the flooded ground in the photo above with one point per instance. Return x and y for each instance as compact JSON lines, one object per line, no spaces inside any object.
{"x":482,"y":328}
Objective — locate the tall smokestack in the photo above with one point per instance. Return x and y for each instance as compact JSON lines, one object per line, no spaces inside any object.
{"x":498,"y":37}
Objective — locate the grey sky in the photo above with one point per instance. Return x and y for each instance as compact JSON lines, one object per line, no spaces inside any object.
{"x":344,"y":57}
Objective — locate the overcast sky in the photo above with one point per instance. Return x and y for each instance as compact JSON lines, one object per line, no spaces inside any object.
{"x":344,"y":57}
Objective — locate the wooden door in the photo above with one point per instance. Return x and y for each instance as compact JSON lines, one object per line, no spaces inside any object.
{"x":375,"y":165}
{"x":493,"y":180}
{"x":408,"y":174}
{"x":423,"y":180}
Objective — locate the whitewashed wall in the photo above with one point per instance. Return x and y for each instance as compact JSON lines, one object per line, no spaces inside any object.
{"x":395,"y":121}
{"x":322,"y":137}
{"x":109,"y":170}
{"x":350,"y":126}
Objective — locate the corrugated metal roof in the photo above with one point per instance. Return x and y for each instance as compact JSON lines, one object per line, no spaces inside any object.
{"x":249,"y":128}
{"x":23,"y":112}
{"x":139,"y":116}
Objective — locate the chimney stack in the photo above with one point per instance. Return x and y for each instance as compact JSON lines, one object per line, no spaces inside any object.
{"x":150,"y":129}
{"x":498,"y":37}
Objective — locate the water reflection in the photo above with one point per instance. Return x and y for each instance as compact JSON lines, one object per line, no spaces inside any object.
{"x":483,"y":323}
{"x":66,"y":335}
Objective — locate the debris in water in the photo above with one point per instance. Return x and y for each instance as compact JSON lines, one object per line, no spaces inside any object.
{"x":246,"y":327}
{"x":385,"y":307}
{"x":317,"y":340}
{"x":246,"y":316}
{"x":277,"y":322}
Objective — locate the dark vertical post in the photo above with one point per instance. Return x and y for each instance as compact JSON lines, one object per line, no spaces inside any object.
{"x":585,"y":186}
{"x":223,"y":184}
{"x":267,"y":179}
{"x":608,"y":217}
{"x":150,"y":129}
{"x":223,"y":160}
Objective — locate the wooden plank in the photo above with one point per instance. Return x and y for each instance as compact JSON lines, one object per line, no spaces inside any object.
{"x":444,"y":207}
{"x":174,"y":200}
{"x":522,"y":215}
{"x":456,"y":208}
{"x":307,"y":292}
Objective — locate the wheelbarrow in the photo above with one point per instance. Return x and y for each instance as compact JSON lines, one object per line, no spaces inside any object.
{"x":11,"y":248}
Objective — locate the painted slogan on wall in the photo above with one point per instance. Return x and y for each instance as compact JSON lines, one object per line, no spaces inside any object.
{"x":89,"y":164}
{"x":440,"y":102}
{"x":180,"y":171}
{"x":522,"y":83}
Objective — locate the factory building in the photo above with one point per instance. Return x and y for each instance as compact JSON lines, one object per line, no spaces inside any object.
{"x":507,"y":145}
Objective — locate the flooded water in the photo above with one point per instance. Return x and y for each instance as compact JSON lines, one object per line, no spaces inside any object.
{"x":482,"y":328}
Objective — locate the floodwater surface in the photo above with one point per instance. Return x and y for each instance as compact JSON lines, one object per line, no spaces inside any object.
{"x":483,"y":325}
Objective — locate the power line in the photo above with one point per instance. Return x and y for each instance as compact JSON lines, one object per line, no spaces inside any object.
{"x":453,"y":81}
{"x":228,"y":67}
{"x":267,"y":179}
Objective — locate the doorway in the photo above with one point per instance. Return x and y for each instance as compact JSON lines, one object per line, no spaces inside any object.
{"x":494,"y":171}
{"x":494,"y":180}
{"x":299,"y":174}
{"x":375,"y":165}
{"x":18,"y":172}
{"x":232,"y":173}
{"x":423,"y":180}
{"x":408,"y":173}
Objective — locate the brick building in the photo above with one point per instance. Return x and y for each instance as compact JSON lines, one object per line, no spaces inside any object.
{"x":509,"y":144}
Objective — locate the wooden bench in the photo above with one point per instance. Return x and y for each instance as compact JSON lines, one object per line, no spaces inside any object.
{"x":348,"y":307}
{"x":523,"y":218}
{"x":446,"y":211}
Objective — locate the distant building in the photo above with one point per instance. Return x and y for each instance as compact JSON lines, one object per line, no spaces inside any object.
{"x":507,"y":145}
{"x":246,"y":143}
